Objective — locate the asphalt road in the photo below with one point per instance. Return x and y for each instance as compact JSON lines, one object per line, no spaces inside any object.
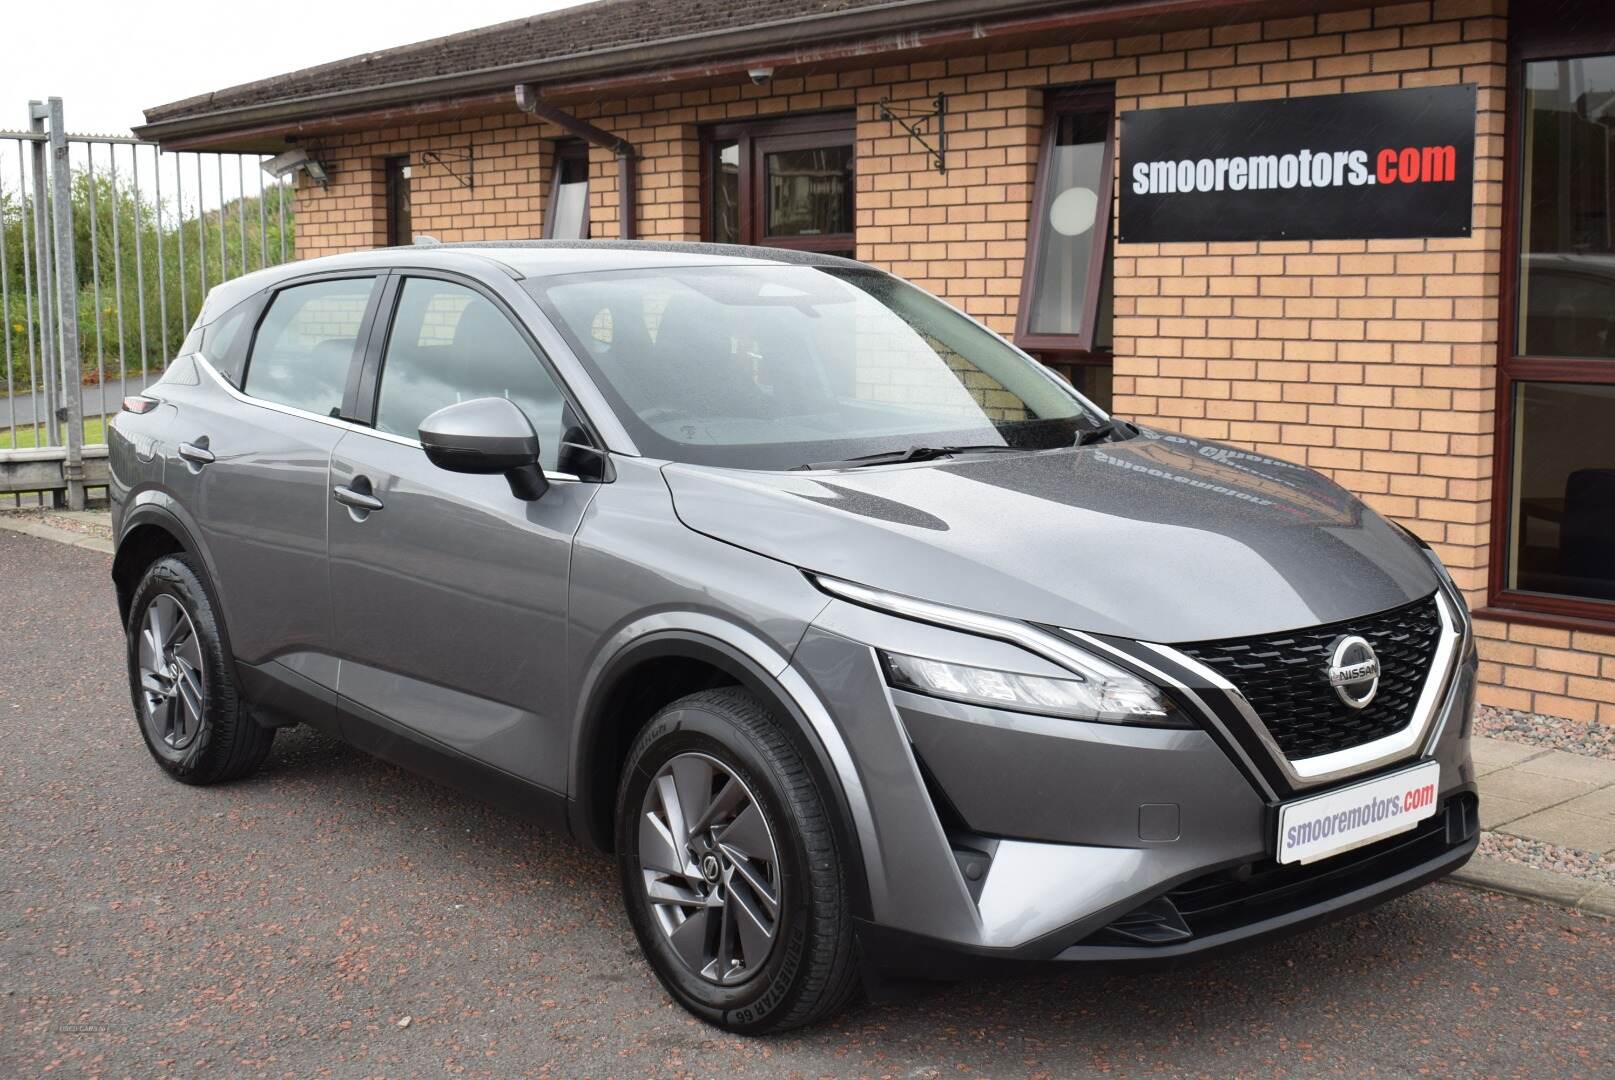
{"x":283,"y":926}
{"x":101,"y":399}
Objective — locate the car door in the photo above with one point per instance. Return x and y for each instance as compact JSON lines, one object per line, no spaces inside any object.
{"x":449,"y":594}
{"x":252,"y":466}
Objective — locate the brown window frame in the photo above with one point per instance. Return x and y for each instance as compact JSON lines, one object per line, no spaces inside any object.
{"x":757,"y":138}
{"x":1535,"y":34}
{"x":567,"y":150}
{"x":395,"y":170}
{"x":1070,"y":348}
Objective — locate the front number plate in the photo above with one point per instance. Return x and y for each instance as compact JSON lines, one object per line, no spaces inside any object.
{"x":1325,"y":825}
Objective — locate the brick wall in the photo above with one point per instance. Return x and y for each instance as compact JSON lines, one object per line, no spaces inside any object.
{"x":1372,"y":361}
{"x":511,"y":175}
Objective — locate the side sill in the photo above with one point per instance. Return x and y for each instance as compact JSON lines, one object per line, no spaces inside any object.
{"x":380,"y":737}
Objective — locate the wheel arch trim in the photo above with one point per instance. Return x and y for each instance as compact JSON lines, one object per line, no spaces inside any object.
{"x":153,"y":507}
{"x":764,"y":671}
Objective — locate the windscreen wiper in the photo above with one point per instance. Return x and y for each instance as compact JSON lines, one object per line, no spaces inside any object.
{"x":1109,"y":429}
{"x":913,"y":453}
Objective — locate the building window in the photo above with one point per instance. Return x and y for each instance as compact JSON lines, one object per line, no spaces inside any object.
{"x":568,"y":217}
{"x":782,"y":183}
{"x":1554,"y":539}
{"x":1065,"y":306}
{"x":400,"y":229}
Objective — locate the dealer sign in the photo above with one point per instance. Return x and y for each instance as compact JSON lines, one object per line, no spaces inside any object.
{"x":1393,"y":163}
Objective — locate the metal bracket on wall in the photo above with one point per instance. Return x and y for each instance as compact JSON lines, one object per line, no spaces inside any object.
{"x":923,"y":126}
{"x":467,"y":157}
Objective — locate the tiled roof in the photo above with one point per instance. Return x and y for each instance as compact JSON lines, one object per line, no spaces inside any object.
{"x":590,"y":28}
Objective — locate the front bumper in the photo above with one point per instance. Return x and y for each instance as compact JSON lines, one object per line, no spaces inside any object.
{"x":1004,"y":839}
{"x":1254,"y":912}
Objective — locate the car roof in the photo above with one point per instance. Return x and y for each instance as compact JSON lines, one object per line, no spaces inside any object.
{"x":520,"y":259}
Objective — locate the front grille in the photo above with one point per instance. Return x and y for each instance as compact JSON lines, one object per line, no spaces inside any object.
{"x":1230,"y":899}
{"x":1285,"y":678}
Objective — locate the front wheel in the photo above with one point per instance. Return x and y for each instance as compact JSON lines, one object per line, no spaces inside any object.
{"x":730,"y":870}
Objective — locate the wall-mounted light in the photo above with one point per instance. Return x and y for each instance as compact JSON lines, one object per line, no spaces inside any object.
{"x":293,"y":161}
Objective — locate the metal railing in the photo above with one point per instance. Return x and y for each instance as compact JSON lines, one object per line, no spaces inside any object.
{"x":108,"y":246}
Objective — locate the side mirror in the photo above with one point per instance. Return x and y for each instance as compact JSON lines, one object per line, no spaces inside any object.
{"x":486,"y":436}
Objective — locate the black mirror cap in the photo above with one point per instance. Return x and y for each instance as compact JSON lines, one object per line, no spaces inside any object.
{"x":579,"y":456}
{"x":483,"y":436}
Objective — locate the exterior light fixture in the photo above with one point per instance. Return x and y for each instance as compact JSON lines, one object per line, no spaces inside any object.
{"x":293,"y":161}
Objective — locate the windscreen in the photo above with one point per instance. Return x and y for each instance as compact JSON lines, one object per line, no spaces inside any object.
{"x":775,"y":367}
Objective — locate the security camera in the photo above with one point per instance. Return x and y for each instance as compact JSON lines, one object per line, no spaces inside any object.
{"x":760,"y":75}
{"x":293,"y":161}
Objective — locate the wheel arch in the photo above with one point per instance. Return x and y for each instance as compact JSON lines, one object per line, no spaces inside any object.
{"x":152,"y":528}
{"x":607,"y":731}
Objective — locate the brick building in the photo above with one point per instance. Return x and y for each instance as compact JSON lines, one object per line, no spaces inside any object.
{"x":1462,"y":385}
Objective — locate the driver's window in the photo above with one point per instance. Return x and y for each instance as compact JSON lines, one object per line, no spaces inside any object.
{"x":449,"y":344}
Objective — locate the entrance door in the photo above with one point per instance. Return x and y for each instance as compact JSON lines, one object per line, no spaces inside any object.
{"x":783,"y":183}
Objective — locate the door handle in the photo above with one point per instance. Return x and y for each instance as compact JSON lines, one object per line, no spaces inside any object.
{"x":197,"y":452}
{"x":359,"y":500}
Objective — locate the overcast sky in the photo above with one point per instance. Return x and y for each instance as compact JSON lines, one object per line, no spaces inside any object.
{"x":109,"y":60}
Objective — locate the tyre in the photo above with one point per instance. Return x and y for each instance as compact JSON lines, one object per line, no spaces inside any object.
{"x":181,"y":680}
{"x":730,"y":870}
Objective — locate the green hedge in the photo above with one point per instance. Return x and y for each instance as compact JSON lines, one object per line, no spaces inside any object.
{"x":169,"y":302}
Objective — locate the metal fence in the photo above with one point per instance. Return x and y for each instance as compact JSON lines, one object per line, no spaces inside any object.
{"x":108,"y":246}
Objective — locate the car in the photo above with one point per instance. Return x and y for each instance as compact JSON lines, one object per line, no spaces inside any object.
{"x":870,"y":649}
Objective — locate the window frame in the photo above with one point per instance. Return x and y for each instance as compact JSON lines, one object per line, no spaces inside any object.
{"x":756,"y":139}
{"x":567,"y":150}
{"x":1535,"y":36}
{"x":1070,"y":349}
{"x":367,"y":384}
{"x":356,"y":359}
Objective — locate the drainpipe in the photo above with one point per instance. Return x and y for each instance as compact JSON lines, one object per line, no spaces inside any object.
{"x":528,"y":101}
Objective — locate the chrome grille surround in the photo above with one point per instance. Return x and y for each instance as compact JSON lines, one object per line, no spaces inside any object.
{"x":1353,"y":760}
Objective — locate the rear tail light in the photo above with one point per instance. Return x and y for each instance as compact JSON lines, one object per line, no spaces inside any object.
{"x":139,"y":404}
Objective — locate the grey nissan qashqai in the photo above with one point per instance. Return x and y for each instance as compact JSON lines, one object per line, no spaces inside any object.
{"x":872,"y":650}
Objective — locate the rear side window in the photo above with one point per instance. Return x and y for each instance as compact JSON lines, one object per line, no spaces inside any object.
{"x":305,"y":344}
{"x":225,"y":341}
{"x":192,"y":342}
{"x":450,"y":344}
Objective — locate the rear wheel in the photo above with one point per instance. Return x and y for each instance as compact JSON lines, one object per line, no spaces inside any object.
{"x":180,"y":680}
{"x":730,"y":871}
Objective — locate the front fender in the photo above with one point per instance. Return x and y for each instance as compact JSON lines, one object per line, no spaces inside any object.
{"x":758,"y":666}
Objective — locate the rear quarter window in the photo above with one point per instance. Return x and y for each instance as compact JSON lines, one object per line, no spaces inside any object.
{"x":192,"y":342}
{"x":224,"y":341}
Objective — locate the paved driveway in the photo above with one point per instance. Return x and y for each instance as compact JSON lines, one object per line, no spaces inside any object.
{"x":285,"y":925}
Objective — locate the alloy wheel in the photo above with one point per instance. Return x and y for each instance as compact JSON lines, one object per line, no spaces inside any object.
{"x":170,"y":674}
{"x":710,"y":867}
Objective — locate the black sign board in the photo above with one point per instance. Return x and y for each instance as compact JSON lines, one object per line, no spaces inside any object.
{"x":1392,"y":163}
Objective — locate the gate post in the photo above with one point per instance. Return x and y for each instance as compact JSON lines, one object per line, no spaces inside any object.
{"x":67,"y":310}
{"x":48,"y":375}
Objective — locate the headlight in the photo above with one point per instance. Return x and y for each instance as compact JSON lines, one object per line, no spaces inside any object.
{"x":1454,"y":593}
{"x":1101,"y":692}
{"x":1095,"y":689}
